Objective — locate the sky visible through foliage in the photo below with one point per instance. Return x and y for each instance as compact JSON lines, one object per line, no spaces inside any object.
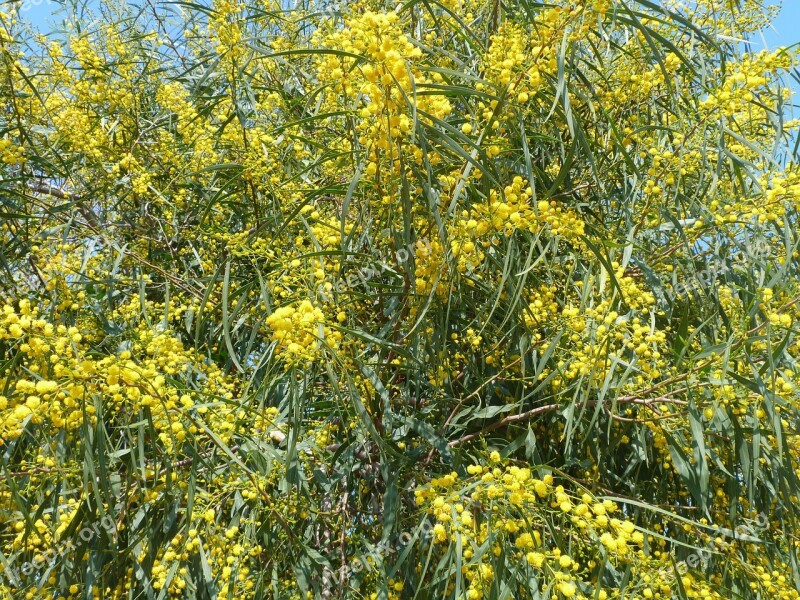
{"x":785,"y":31}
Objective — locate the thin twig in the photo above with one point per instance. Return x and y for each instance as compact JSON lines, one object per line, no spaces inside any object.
{"x":647,"y":402}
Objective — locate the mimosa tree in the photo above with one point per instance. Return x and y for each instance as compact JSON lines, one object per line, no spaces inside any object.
{"x":443,"y":299}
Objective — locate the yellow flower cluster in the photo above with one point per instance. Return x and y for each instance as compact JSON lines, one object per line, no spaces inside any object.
{"x":430,"y":268}
{"x":225,"y":29}
{"x":513,"y":65}
{"x":385,"y":81}
{"x":783,"y":193}
{"x":500,"y":507}
{"x":542,"y":308}
{"x":300,"y":332}
{"x":68,"y":381}
{"x":512,"y":210}
{"x":745,"y":81}
{"x":501,"y":511}
{"x":10,"y":153}
{"x":191,"y":127}
{"x":610,"y":328}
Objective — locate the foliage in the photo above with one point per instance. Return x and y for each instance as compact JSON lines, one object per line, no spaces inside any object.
{"x":448,"y":299}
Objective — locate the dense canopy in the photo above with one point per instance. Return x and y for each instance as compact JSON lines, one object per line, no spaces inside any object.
{"x":451,"y":299}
